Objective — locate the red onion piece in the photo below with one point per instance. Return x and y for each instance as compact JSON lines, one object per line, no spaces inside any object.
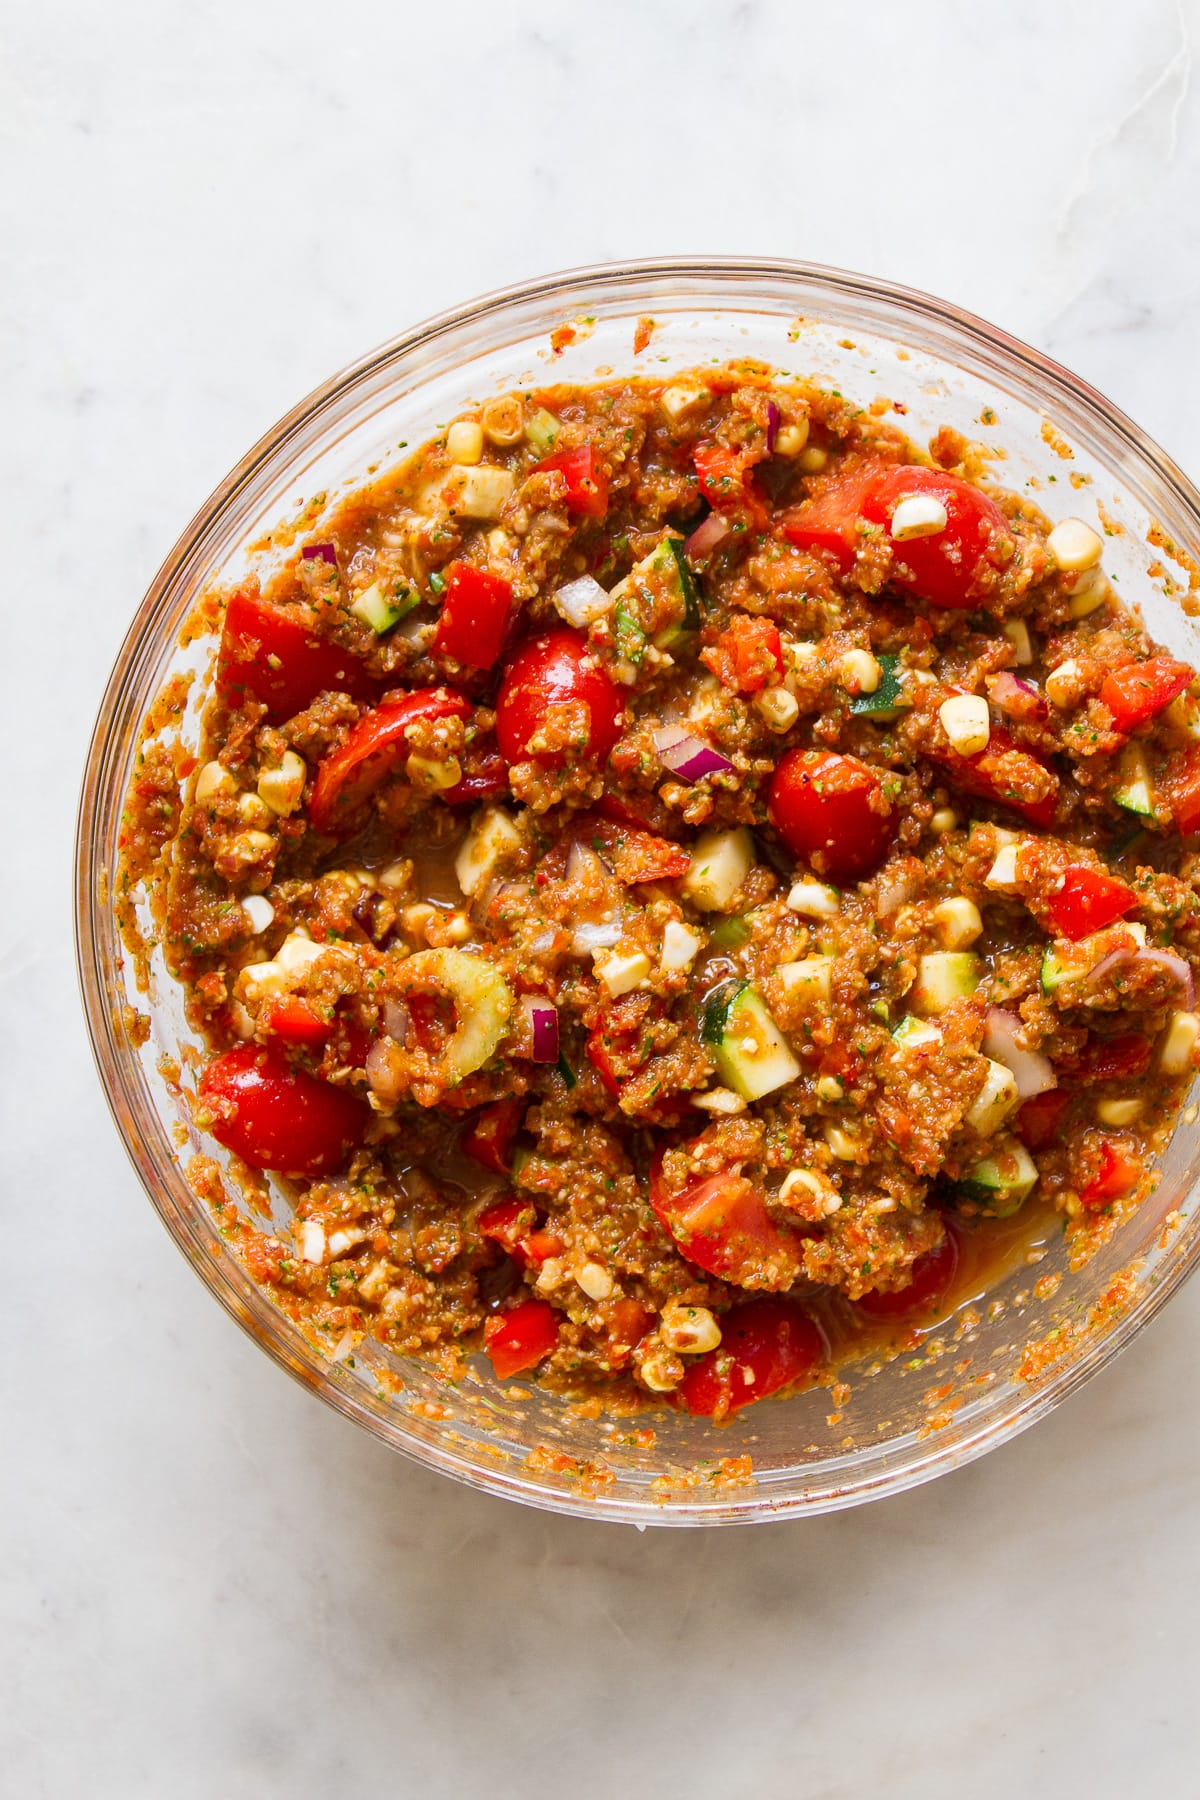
{"x":1015,"y":697}
{"x":542,"y":1018}
{"x":326,"y":552}
{"x":398,"y":1020}
{"x":1170,"y":964}
{"x":1116,"y":959}
{"x":708,"y":536}
{"x":772,"y":426}
{"x":1032,"y":1072}
{"x":686,"y":756}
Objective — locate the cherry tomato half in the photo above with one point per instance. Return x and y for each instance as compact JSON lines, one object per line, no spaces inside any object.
{"x":765,"y":1345}
{"x":1086,"y":900}
{"x":277,"y":1117}
{"x":956,"y":566}
{"x":560,"y":671}
{"x":931,"y":1277}
{"x":721,"y":1223}
{"x":281,"y":661}
{"x":519,"y":1339}
{"x":830,"y":810}
{"x":376,"y":743}
{"x":1139,"y":691}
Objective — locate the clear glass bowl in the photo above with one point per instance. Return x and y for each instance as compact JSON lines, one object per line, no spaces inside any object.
{"x":970,"y":1385}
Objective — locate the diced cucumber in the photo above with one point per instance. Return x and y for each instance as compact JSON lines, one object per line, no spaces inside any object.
{"x":888,"y":699}
{"x":1064,"y":961}
{"x":751,"y":1053}
{"x":1136,"y":791}
{"x":375,"y":609}
{"x":657,"y":600}
{"x":997,"y":1098}
{"x":541,"y":428}
{"x":943,"y":977}
{"x":730,"y":933}
{"x":628,"y":637}
{"x":912,"y":1034}
{"x":482,"y":999}
{"x":807,"y":980}
{"x":1003,"y":1181}
{"x":566,"y":1071}
{"x":721,"y":861}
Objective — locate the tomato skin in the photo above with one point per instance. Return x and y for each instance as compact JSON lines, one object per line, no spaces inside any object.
{"x":932,"y":1275}
{"x":587,"y":483}
{"x":518,"y":1339}
{"x":721,"y":1223}
{"x":728,"y":483}
{"x":347,"y":776}
{"x":636,"y":854}
{"x":485,"y":777}
{"x":1086,"y":901}
{"x":507,"y":1222}
{"x":945,"y":569}
{"x":827,"y":524}
{"x":1136,"y":693}
{"x":294,"y":1021}
{"x":282,"y":662}
{"x":555,"y":669}
{"x":1181,"y":784}
{"x":984,"y":776}
{"x":277,"y":1117}
{"x":820,"y":804}
{"x":490,"y":1139}
{"x":765,"y":1345}
{"x":747,"y":656}
{"x":475,"y":614}
{"x":1039,"y":1119}
{"x":1117,"y":1173}
{"x":1121,"y":1058}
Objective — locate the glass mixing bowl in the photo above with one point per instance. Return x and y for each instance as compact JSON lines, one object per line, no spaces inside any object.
{"x":998,"y":1365}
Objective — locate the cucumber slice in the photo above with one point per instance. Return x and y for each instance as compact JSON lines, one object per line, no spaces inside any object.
{"x":751,"y":1053}
{"x":888,"y":699}
{"x":943,"y":977}
{"x":482,"y":1001}
{"x":657,"y":601}
{"x":541,"y":428}
{"x":911,"y":1034}
{"x":1064,"y":962}
{"x":1136,"y":790}
{"x":997,"y":1098}
{"x":1003,"y":1181}
{"x":730,"y":933}
{"x":375,"y":609}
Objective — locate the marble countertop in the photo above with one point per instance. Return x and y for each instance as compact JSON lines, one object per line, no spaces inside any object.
{"x":210,"y":1585}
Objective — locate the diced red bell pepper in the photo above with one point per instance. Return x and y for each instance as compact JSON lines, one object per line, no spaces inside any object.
{"x":1181,"y":785}
{"x":539,"y":1246}
{"x":294,"y":1021}
{"x":493,"y":1131}
{"x":1039,"y":1119}
{"x":728,"y":483}
{"x":1086,"y":901}
{"x":519,"y":1339}
{"x":1136,"y":693}
{"x":636,"y":855}
{"x":585,"y":478}
{"x":747,"y":656}
{"x":475,"y":615}
{"x":1121,"y":1058}
{"x":985,"y":776}
{"x":721,"y":1223}
{"x":507,"y":1222}
{"x":347,"y":776}
{"x":280,"y":660}
{"x":1117,"y":1174}
{"x":765,"y":1345}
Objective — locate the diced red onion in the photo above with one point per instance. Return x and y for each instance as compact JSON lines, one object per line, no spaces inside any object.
{"x":583,"y":862}
{"x":1116,"y":959}
{"x":1170,"y":964}
{"x":542,"y":1018}
{"x":686,"y":756}
{"x":397,"y":1019}
{"x":772,"y":426}
{"x":326,"y":552}
{"x":708,"y":536}
{"x":1032,"y":1072}
{"x":1017,"y":698}
{"x":587,"y":938}
{"x":894,"y":892}
{"x":582,"y":602}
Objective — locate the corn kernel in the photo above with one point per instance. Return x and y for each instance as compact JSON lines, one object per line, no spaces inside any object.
{"x":595,"y":1281}
{"x":830,"y":1089}
{"x":661,"y":1373}
{"x":841,"y":1143}
{"x":966,"y":722}
{"x":918,"y":516}
{"x":212,"y":780}
{"x":958,"y":922}
{"x":1119,"y":1112}
{"x":779,"y":708}
{"x":814,"y":900}
{"x":859,"y":673}
{"x":944,"y":819}
{"x":791,"y":439}
{"x":817,"y":1187}
{"x":464,"y":441}
{"x":281,"y":789}
{"x":1062,"y":684}
{"x":1017,"y":633}
{"x":252,"y":811}
{"x":813,"y":459}
{"x":688,"y":1330}
{"x":1075,"y":546}
{"x":1179,"y":1043}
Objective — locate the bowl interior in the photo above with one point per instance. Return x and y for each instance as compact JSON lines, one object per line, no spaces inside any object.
{"x":965,"y":1387}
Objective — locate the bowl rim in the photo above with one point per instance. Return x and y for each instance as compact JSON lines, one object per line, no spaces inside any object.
{"x":110,"y":1049}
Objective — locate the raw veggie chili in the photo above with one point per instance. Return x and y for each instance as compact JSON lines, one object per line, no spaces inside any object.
{"x":671,"y":875}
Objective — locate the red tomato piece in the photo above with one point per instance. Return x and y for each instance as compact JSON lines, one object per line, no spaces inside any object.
{"x":721,"y":1223}
{"x":728,"y":482}
{"x":493,"y":1130}
{"x":375,"y":745}
{"x":997,"y":773}
{"x":830,"y":810}
{"x":1118,"y":1172}
{"x":294,"y":1021}
{"x":765,"y":1345}
{"x":950,"y":568}
{"x":828,"y":523}
{"x":1121,"y":1058}
{"x":585,"y":478}
{"x":539,"y":1246}
{"x":277,"y":1117}
{"x":1039,"y":1120}
{"x":1086,"y":901}
{"x":475,"y":614}
{"x":1181,"y":784}
{"x":484,"y":777}
{"x":930,"y":1279}
{"x":557,"y":671}
{"x":1134,"y":694}
{"x":625,"y":809}
{"x":747,"y":656}
{"x":519,"y":1339}
{"x":616,"y":1049}
{"x":282,"y":661}
{"x":506,"y":1222}
{"x":636,"y":855}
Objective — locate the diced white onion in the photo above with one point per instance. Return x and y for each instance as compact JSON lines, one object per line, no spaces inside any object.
{"x":582,"y":602}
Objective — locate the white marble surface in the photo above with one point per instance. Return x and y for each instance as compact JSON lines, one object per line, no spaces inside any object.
{"x":209,"y":1585}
